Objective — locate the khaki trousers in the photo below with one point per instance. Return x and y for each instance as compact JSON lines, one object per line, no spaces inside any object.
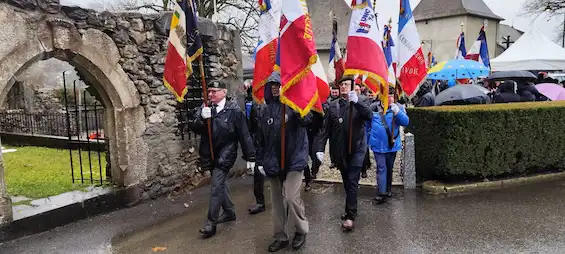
{"x":288,"y":208}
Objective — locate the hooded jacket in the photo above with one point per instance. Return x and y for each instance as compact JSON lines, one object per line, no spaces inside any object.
{"x":268,"y":135}
{"x":336,"y":129}
{"x":229,"y":127}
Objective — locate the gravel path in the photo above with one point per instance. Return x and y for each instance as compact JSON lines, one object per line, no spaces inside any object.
{"x":327,"y":174}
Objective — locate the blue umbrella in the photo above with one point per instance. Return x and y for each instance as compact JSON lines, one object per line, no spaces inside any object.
{"x":458,"y":69}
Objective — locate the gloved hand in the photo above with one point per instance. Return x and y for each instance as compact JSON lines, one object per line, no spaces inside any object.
{"x":261,"y":170}
{"x":320,"y":156}
{"x":395,"y":109}
{"x":353,"y":97}
{"x":206,"y":112}
{"x":250,"y":165}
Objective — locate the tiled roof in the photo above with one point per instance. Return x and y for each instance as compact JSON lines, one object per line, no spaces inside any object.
{"x":435,"y":9}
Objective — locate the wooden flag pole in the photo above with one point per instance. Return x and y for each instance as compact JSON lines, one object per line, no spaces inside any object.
{"x":205,"y":95}
{"x":350,"y":115}
{"x":283,"y":137}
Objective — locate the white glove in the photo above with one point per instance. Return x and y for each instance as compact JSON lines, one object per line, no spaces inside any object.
{"x":206,"y":112}
{"x":261,"y":170}
{"x":320,"y":156}
{"x":250,"y":165}
{"x":395,"y":109}
{"x":353,"y":97}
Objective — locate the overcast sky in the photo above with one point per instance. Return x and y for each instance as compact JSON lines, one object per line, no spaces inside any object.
{"x":510,"y":10}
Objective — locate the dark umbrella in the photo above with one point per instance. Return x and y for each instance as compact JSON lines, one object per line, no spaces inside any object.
{"x":462,"y":95}
{"x":504,"y":75}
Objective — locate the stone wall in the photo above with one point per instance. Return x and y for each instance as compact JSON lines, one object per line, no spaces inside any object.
{"x":141,"y":40}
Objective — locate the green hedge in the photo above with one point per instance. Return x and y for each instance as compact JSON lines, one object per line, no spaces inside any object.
{"x":457,"y":143}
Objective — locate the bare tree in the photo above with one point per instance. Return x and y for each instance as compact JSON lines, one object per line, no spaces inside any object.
{"x":554,"y":8}
{"x":240,"y":15}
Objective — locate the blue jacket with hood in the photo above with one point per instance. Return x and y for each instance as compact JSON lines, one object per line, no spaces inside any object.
{"x":268,"y":135}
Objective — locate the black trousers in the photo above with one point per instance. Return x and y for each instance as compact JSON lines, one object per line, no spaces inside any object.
{"x":219,"y":196}
{"x":350,"y":177}
{"x":309,"y":173}
{"x":366,"y":162}
{"x":259,"y":186}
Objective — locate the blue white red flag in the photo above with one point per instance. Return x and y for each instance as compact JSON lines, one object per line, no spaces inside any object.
{"x":388,"y":44}
{"x":365,"y":56}
{"x":479,"y":50}
{"x":336,"y":65}
{"x":265,"y":53}
{"x":461,"y":52}
{"x":304,"y":84}
{"x":411,"y":61}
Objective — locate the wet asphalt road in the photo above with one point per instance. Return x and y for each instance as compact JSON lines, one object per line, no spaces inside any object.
{"x":524,"y":219}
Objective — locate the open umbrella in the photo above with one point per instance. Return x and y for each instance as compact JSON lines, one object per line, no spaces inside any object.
{"x":458,"y":69}
{"x":463,"y":95}
{"x":554,"y":92}
{"x":503,"y":75}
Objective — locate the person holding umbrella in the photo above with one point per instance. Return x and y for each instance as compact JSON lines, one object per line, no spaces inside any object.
{"x":336,"y":129}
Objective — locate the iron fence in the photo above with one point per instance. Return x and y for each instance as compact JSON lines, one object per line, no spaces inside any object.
{"x":53,"y":123}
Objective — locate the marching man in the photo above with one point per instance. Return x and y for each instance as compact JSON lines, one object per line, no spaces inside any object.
{"x":336,"y":128}
{"x":229,"y":127}
{"x":288,"y":208}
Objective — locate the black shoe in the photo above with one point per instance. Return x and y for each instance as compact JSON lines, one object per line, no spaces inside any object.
{"x":314,"y":176}
{"x":308,"y":187}
{"x":298,"y":241}
{"x":226,"y":218}
{"x":208,"y":231}
{"x":277,"y":245}
{"x":380,"y":199}
{"x":257,"y":208}
{"x":389,"y":194}
{"x":364,"y":174}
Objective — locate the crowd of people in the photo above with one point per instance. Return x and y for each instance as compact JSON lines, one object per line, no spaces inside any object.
{"x":504,"y":91}
{"x":354,"y":124}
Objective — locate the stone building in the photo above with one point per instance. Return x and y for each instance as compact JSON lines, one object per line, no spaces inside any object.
{"x":122,"y":56}
{"x":507,"y":33}
{"x":439,"y":24}
{"x":322,"y":23}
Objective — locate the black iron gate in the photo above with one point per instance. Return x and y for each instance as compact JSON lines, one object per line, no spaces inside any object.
{"x":89,"y":152}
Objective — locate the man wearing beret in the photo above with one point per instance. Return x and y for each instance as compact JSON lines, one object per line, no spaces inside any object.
{"x":229,"y":127}
{"x":336,"y":128}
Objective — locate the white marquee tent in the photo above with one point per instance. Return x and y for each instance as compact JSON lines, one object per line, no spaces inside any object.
{"x":532,"y":51}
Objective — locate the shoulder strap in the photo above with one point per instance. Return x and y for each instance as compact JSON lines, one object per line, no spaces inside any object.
{"x":389,"y":131}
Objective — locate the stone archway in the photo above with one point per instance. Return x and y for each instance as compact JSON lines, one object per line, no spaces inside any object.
{"x":95,"y":55}
{"x":122,"y":55}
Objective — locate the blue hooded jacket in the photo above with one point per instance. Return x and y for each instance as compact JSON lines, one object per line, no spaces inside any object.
{"x":269,"y":120}
{"x":378,"y":140}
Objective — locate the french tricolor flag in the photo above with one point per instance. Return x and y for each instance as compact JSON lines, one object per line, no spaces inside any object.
{"x":266,"y":51}
{"x":365,"y":56}
{"x":461,"y":51}
{"x":336,"y":66}
{"x":304,"y":82}
{"x":411,"y":60}
{"x":479,"y":50}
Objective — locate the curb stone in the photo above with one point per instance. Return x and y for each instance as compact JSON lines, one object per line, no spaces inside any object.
{"x":436,"y":187}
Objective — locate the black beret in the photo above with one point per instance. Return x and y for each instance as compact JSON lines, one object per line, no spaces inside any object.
{"x":345,"y":78}
{"x":217,"y":84}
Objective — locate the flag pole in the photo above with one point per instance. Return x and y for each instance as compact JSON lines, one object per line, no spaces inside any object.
{"x":351,"y":119}
{"x":283,"y":137}
{"x":205,"y":95}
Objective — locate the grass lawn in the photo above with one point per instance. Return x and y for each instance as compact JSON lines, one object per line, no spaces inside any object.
{"x":39,"y":172}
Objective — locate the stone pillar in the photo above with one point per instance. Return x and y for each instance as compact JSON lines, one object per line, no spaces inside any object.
{"x":6,"y":215}
{"x":409,"y":162}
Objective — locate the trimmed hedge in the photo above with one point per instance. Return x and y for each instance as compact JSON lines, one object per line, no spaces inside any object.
{"x":458,"y":143}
